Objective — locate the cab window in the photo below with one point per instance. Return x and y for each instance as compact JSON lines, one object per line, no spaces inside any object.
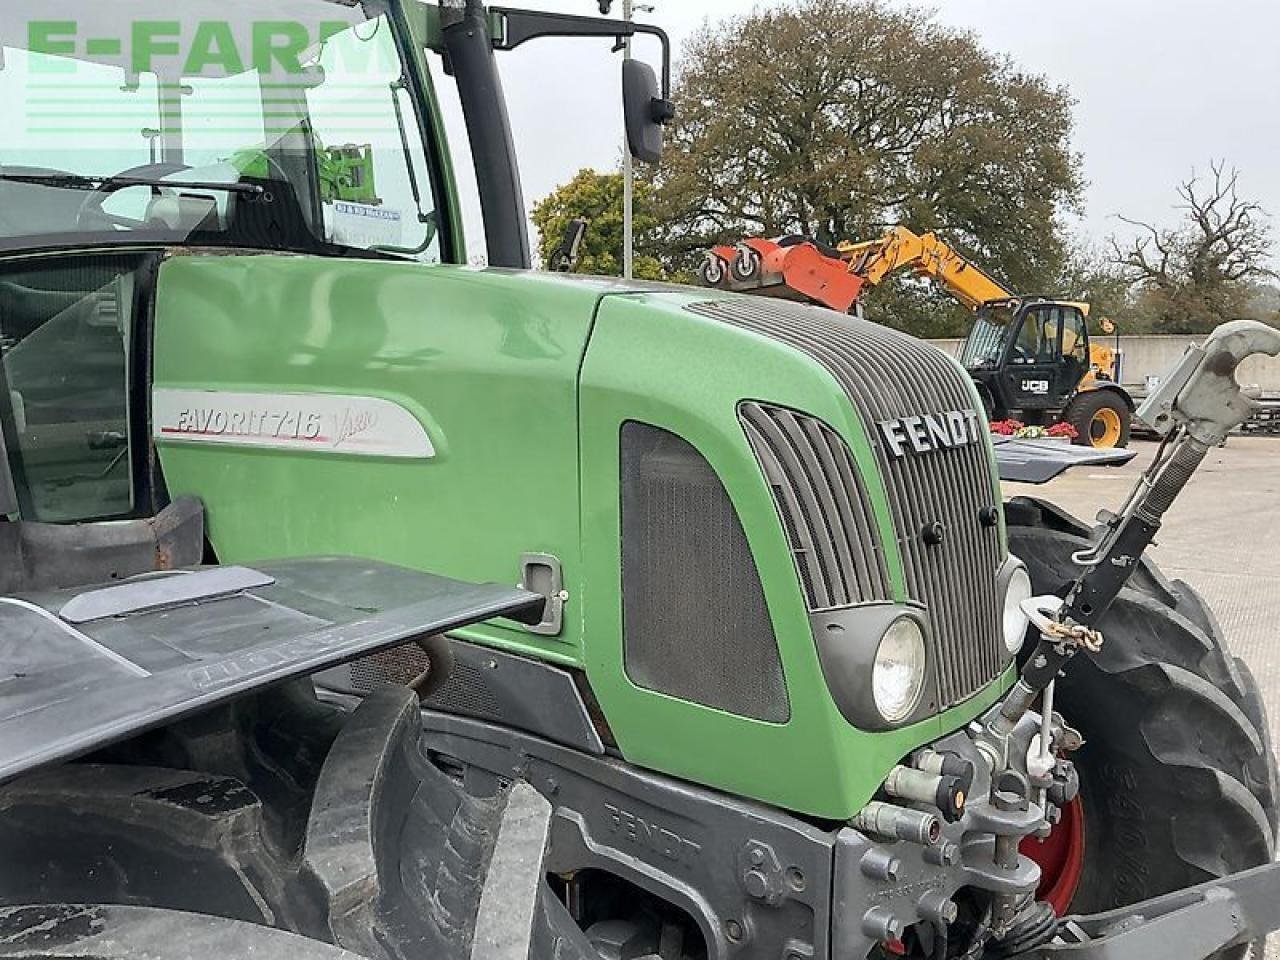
{"x":1075,"y":341}
{"x":375,"y":186}
{"x":1037,"y":340}
{"x":65,"y":385}
{"x":263,"y":125}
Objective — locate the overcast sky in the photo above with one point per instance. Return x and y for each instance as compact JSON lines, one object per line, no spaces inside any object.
{"x":1161,"y":86}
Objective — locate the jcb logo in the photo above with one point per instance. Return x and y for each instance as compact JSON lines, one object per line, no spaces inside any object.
{"x":1035,"y":386}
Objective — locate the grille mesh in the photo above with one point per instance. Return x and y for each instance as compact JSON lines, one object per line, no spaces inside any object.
{"x":823,"y":504}
{"x":888,"y":375}
{"x":399,"y":666}
{"x":695,"y":623}
{"x":465,"y":692}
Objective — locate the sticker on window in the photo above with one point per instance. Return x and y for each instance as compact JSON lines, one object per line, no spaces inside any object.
{"x":363,"y":225}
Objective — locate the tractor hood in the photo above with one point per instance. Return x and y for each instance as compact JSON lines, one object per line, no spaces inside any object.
{"x":82,"y":669}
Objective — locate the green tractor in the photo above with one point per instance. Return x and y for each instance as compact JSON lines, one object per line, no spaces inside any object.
{"x":782,"y":678}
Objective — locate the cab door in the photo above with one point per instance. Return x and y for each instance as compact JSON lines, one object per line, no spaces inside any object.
{"x":1035,"y":376}
{"x":73,"y":364}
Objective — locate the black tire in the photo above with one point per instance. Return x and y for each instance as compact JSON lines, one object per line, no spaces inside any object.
{"x":1177,"y":777}
{"x":207,"y":815}
{"x":1086,"y":408}
{"x":712,"y":271}
{"x":989,"y":403}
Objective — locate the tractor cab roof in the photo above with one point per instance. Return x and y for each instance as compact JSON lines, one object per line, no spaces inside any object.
{"x":1018,"y":303}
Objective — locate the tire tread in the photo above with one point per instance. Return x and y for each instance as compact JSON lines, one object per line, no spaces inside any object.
{"x":1181,"y":772}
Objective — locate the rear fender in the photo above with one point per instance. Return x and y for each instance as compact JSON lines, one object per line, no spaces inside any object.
{"x":89,"y":668}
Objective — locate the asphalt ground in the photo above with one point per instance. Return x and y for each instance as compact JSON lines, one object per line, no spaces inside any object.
{"x":1222,"y":536}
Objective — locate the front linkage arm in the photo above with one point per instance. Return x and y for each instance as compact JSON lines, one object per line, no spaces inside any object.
{"x":1193,"y":411}
{"x":1189,"y":924}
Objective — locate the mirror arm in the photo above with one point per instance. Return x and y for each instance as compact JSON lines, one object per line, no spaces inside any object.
{"x":512,"y":28}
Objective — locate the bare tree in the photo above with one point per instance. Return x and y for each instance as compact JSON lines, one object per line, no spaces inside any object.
{"x":1201,"y":271}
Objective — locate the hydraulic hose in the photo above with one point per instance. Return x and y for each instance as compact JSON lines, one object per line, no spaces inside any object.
{"x":1096,"y":589}
{"x":1185,"y":461}
{"x":440,"y":662}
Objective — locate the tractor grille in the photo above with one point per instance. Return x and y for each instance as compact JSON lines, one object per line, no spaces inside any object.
{"x":695,"y":622}
{"x":823,"y":505}
{"x":888,"y":375}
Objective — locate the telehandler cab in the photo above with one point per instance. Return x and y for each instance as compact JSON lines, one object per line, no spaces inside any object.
{"x":782,"y":677}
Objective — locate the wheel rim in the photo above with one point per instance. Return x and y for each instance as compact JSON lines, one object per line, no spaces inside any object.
{"x":1061,"y":858}
{"x":1104,"y":428}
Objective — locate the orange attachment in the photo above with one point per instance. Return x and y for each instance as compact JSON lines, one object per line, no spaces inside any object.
{"x":793,"y":270}
{"x":825,"y":280}
{"x":799,"y":269}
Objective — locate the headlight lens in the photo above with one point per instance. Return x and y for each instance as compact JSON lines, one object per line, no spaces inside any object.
{"x":897,"y":677}
{"x":1017,"y":589}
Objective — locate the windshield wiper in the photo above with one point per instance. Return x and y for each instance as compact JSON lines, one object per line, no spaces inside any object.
{"x":74,"y":181}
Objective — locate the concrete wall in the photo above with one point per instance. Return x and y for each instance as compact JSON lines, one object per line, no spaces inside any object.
{"x":1156,"y":355}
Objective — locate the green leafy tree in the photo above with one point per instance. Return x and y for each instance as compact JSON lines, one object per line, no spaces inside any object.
{"x":837,"y":118}
{"x":1208,"y":267}
{"x":597,"y":198}
{"x":917,"y":306}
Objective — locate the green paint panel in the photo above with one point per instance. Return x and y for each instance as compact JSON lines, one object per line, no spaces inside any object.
{"x":488,"y":364}
{"x":652,"y":362}
{"x":523,"y":382}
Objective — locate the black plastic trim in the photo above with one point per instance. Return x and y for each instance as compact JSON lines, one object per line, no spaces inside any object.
{"x":471,"y":56}
{"x":847,"y":641}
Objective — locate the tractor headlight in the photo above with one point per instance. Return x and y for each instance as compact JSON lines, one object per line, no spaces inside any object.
{"x":876,"y":662}
{"x":1017,"y":588}
{"x":898,"y":671}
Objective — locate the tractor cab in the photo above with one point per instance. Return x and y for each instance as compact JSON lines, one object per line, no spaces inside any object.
{"x":1032,"y":359}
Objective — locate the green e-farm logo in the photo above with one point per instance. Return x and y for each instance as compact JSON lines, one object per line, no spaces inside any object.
{"x":268,"y":46}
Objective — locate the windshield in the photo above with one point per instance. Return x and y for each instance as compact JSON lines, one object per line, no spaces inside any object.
{"x":986,"y":340}
{"x":281,"y":125}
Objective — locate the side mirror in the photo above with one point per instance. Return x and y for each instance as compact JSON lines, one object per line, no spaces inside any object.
{"x":645,"y":109}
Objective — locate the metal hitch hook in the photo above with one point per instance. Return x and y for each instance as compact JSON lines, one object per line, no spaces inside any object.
{"x":1045,"y":615}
